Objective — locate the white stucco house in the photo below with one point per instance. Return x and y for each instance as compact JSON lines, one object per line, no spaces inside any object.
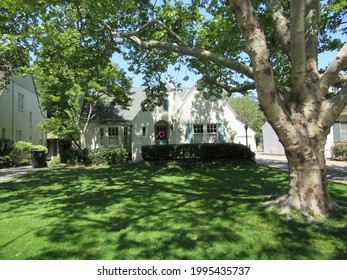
{"x":338,"y":132}
{"x":185,"y":117}
{"x":20,"y":112}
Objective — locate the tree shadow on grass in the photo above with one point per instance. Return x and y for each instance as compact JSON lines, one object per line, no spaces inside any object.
{"x":202,"y":210}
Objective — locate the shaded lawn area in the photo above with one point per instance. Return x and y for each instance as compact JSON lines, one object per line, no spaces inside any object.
{"x":202,"y":210}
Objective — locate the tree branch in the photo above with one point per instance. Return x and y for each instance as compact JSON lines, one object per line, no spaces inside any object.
{"x":229,"y":89}
{"x":312,"y":12}
{"x":331,"y":74}
{"x":188,"y":51}
{"x":333,"y":108}
{"x":281,"y":23}
{"x":297,"y":45}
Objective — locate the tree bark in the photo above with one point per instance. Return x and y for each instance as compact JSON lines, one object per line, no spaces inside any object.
{"x":307,"y":190}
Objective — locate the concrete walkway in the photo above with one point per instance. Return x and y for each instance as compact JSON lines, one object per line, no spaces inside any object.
{"x":7,"y":174}
{"x":336,"y":170}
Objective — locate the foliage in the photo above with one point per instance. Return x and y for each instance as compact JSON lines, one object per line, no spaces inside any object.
{"x":5,"y":161}
{"x":340,"y":150}
{"x":21,"y":152}
{"x":71,"y":71}
{"x":197,"y":151}
{"x":108,"y":156}
{"x":55,"y":161}
{"x":248,"y":112}
{"x":6,"y":146}
{"x":100,"y":156}
{"x":13,"y":49}
{"x":161,"y":211}
{"x":67,"y":94}
{"x":76,"y":157}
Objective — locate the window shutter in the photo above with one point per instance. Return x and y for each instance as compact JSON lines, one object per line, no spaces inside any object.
{"x":189,"y":133}
{"x":166,"y":106}
{"x":221,"y":133}
{"x":337,"y":131}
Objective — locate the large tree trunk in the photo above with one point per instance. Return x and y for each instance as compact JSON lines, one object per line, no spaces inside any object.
{"x":307,"y":190}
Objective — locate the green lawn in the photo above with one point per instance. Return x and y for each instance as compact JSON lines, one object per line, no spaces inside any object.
{"x":208,"y":210}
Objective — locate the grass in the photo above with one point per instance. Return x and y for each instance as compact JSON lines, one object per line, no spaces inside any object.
{"x":208,"y":210}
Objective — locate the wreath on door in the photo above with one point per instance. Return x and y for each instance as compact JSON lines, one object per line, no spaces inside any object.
{"x":161,"y":135}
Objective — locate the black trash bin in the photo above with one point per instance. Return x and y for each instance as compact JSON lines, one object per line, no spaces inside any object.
{"x":38,"y":159}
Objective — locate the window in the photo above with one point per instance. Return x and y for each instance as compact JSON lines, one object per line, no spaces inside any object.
{"x":20,"y":101}
{"x":31,"y":119}
{"x":112,"y":131}
{"x":101,"y":131}
{"x":125,"y":131}
{"x":198,"y":128}
{"x":143,"y":131}
{"x":212,"y":128}
{"x":18,"y":135}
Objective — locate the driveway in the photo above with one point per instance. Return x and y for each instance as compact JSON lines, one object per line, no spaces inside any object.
{"x":7,"y":174}
{"x":336,"y":170}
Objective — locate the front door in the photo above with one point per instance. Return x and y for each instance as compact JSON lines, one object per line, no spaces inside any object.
{"x":161,"y":133}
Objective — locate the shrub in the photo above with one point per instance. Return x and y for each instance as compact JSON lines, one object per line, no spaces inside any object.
{"x":6,"y":146}
{"x":106,"y":156}
{"x":5,"y":161}
{"x":340,"y":150}
{"x":76,"y":157}
{"x":197,"y":151}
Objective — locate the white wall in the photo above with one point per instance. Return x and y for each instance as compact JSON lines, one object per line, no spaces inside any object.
{"x":271,"y":142}
{"x":15,"y":118}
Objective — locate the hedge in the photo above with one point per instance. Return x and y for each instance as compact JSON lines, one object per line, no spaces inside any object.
{"x":100,"y":156}
{"x":197,"y":151}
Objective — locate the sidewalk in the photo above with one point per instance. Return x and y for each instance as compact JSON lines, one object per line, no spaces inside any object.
{"x":336,"y":170}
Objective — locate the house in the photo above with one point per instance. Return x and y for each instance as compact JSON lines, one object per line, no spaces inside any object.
{"x":20,"y":111}
{"x":338,"y":132}
{"x":184,"y":117}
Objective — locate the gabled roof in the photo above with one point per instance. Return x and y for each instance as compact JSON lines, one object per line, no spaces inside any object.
{"x":117,"y":114}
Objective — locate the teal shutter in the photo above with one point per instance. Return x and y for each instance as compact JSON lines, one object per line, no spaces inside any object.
{"x":166,"y":106}
{"x":221,"y":133}
{"x":337,"y":131}
{"x":189,"y":133}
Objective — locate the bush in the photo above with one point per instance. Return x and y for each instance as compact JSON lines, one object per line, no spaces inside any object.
{"x":5,"y":161}
{"x":108,"y":156}
{"x":6,"y":146}
{"x":340,"y":151}
{"x":197,"y":151}
{"x":76,"y":157}
{"x":105,"y":156}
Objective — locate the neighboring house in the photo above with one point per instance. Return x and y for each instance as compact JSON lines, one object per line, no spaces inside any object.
{"x":20,"y":112}
{"x":338,"y":133}
{"x":185,"y":117}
